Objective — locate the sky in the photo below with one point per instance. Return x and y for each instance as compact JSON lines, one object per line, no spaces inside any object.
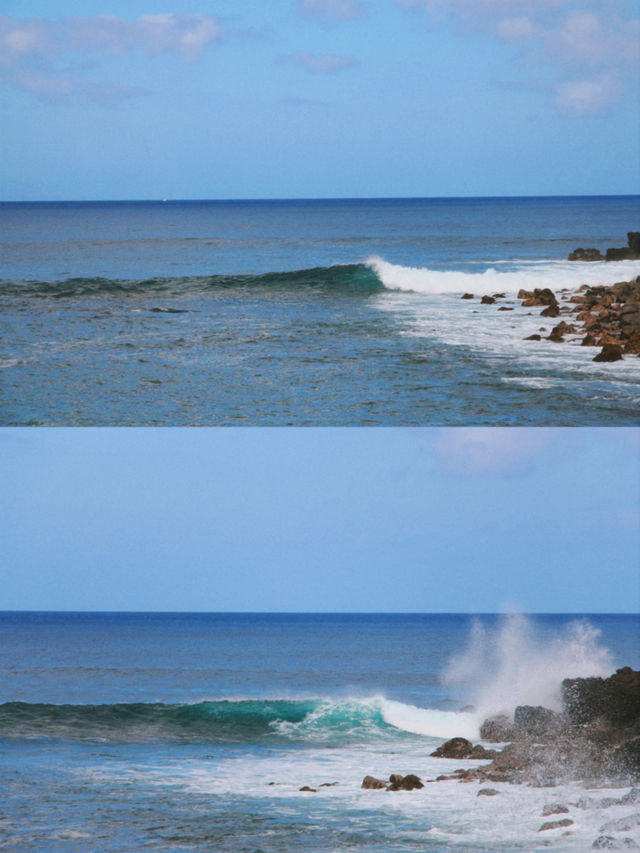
{"x":351,"y":520}
{"x":121,"y":99}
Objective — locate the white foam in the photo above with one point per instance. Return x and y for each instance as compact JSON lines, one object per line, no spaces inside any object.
{"x":525,"y":274}
{"x":430,"y":722}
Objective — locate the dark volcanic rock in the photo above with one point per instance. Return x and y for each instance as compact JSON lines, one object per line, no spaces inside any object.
{"x":534,"y":722}
{"x":457,"y":747}
{"x":609,"y":352}
{"x":615,"y":699}
{"x":554,"y":808}
{"x":608,"y":842}
{"x":556,"y":824}
{"x":467,"y":296}
{"x":371,"y":783}
{"x":487,"y":792}
{"x":410,"y":782}
{"x":540,"y":296}
{"x":487,"y":300}
{"x":558,"y":332}
{"x":552,"y":310}
{"x":534,"y":337}
{"x":586,"y":255}
{"x":497,"y":729}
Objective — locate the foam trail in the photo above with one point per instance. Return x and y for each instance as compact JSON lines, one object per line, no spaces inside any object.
{"x":528,"y":275}
{"x":515,"y":667}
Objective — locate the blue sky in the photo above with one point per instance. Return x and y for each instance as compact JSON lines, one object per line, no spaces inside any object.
{"x":318,"y":98}
{"x":466,"y":520}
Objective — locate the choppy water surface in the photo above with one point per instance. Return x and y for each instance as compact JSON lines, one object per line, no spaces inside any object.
{"x":301,"y":313}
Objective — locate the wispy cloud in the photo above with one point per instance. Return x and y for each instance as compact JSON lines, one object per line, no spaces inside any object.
{"x":327,"y":63}
{"x":33,"y":51}
{"x":341,"y":10}
{"x":487,"y":450}
{"x":591,"y":51}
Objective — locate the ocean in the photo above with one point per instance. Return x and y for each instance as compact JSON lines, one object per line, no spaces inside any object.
{"x":177,"y":731}
{"x":296,"y":313}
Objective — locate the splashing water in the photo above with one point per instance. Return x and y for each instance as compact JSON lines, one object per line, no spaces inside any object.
{"x":516,"y":667}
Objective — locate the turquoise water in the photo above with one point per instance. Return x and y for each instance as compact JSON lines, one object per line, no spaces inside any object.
{"x":302,"y":313}
{"x":197,"y":731}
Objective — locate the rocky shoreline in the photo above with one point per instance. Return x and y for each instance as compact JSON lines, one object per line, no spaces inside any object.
{"x":599,"y":316}
{"x":593,"y":740}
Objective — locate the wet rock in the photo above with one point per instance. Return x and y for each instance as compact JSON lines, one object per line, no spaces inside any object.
{"x":371,"y":783}
{"x":467,"y":296}
{"x":487,"y":792}
{"x":457,"y":747}
{"x":479,"y":753}
{"x":608,"y":842}
{"x":535,"y":722}
{"x":586,"y":255}
{"x":487,"y":300}
{"x":558,"y":332}
{"x":552,"y":310}
{"x":498,"y":729}
{"x":554,"y":808}
{"x":588,"y":341}
{"x":632,"y":346}
{"x":556,"y":824}
{"x":307,"y":788}
{"x":623,"y":824}
{"x":609,"y":352}
{"x":539,"y":296}
{"x":504,"y":308}
{"x":534,"y":337}
{"x":410,"y":782}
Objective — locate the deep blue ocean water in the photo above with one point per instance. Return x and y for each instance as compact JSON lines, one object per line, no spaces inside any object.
{"x":197,"y":731}
{"x":303,"y":312}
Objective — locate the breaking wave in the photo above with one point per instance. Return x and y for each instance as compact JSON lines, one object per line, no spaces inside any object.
{"x":311,"y":721}
{"x":527,"y":275}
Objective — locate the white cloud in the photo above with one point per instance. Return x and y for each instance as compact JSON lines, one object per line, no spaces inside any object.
{"x":490,"y":450}
{"x":342,"y":10}
{"x":591,"y":47}
{"x":326,"y":64}
{"x":32,"y":50}
{"x":581,"y":97}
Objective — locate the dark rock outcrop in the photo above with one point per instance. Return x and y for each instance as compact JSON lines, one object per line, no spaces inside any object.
{"x":487,"y":300}
{"x":534,"y":722}
{"x":629,"y":252}
{"x":609,"y":352}
{"x":497,"y":729}
{"x":586,"y":255}
{"x":372,"y":784}
{"x":411,"y":782}
{"x":556,"y":824}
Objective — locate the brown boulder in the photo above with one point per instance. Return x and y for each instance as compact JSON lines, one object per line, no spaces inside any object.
{"x":410,"y":782}
{"x":457,"y":747}
{"x":487,"y":300}
{"x":372,"y":784}
{"x":556,"y":824}
{"x":497,"y":729}
{"x":609,"y":352}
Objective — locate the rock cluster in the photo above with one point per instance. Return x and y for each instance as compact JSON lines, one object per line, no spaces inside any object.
{"x":396,"y":782}
{"x":596,"y":737}
{"x":629,"y":252}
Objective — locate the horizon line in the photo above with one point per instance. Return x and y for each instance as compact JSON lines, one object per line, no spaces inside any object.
{"x":331,"y":612}
{"x":312,"y":198}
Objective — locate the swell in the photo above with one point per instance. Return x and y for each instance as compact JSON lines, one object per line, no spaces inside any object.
{"x":348,"y":278}
{"x":313,"y":721}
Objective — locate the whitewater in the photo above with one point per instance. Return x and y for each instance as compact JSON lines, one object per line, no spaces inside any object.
{"x":319,"y":312}
{"x":206,"y":731}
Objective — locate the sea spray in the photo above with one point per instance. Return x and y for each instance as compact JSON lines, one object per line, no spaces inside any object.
{"x":515,"y":667}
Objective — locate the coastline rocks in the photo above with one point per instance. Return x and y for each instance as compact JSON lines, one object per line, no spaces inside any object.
{"x":460,"y":747}
{"x":629,"y":252}
{"x":539,"y":296}
{"x":498,"y":729}
{"x":556,"y":824}
{"x":608,"y":842}
{"x":586,"y":255}
{"x":487,"y":300}
{"x":370,"y":783}
{"x":396,"y":782}
{"x":534,"y":722}
{"x":609,"y":352}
